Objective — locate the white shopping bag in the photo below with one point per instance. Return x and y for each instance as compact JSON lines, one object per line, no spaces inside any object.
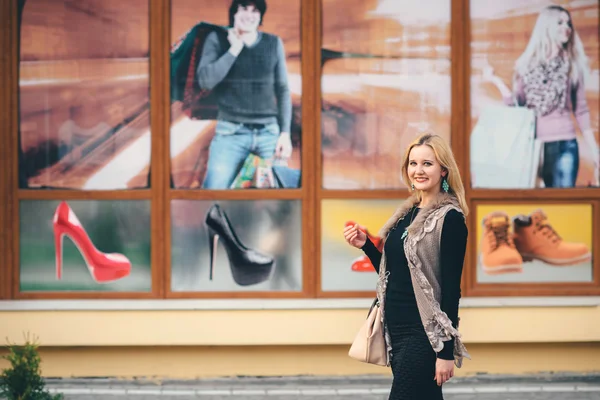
{"x":504,"y":152}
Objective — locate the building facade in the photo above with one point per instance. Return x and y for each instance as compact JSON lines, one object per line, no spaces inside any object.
{"x":204,"y":190}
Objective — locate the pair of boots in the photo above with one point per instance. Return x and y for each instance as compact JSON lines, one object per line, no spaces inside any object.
{"x":532,"y":238}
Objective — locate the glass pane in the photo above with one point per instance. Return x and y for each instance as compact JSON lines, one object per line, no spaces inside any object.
{"x":534,"y":243}
{"x":534,"y":115}
{"x":236,"y":245}
{"x":83,"y":94}
{"x":343,"y":267}
{"x":235,"y":109}
{"x":386,"y":79}
{"x":108,"y":250}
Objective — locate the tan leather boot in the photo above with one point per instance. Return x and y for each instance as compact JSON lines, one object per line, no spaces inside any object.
{"x":498,"y":252}
{"x":536,"y":239}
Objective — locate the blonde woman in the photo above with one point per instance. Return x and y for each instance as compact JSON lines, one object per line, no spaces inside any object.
{"x":549,"y":78}
{"x":420,"y":271}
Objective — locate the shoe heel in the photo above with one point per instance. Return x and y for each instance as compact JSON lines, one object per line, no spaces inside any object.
{"x":213,"y":240}
{"x":58,"y":246}
{"x":248,"y":266}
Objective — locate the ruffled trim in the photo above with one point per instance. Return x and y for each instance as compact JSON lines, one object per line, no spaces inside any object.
{"x":382,"y":278}
{"x":382,"y":281}
{"x":439,"y":331}
{"x":439,"y":327}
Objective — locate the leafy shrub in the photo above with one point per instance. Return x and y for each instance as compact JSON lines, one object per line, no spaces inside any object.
{"x":23,"y":380}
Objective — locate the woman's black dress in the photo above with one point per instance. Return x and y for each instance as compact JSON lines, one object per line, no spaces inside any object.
{"x":413,"y":359}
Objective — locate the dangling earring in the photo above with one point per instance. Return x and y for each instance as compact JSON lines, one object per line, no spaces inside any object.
{"x":445,"y":185}
{"x":412,"y":186}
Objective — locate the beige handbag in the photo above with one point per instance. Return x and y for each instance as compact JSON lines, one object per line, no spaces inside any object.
{"x":369,"y":345}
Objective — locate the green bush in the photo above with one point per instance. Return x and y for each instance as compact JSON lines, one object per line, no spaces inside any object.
{"x":23,"y":380}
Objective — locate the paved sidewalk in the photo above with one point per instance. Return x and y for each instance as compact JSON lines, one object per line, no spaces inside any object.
{"x":540,"y":387}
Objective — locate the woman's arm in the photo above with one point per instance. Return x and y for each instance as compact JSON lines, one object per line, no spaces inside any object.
{"x":373,"y":253}
{"x":452,"y":253}
{"x":582,"y":115}
{"x":590,"y":140}
{"x":507,"y":94}
{"x":580,"y":106}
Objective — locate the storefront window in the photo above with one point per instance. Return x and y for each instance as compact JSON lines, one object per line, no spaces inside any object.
{"x":534,"y":115}
{"x":138,"y":160}
{"x":343,"y":267}
{"x":84,"y":112}
{"x":534,"y":243}
{"x":235,"y":94}
{"x":236,"y":245}
{"x":385,"y":79}
{"x":108,"y":248}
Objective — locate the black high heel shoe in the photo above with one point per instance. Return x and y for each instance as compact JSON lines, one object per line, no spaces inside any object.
{"x":248,"y":266}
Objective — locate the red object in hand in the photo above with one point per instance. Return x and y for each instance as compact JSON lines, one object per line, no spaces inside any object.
{"x":375,"y":239}
{"x":103,"y":267}
{"x":362,"y":263}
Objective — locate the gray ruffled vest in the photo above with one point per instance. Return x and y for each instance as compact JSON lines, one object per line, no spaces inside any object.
{"x":422,"y":248}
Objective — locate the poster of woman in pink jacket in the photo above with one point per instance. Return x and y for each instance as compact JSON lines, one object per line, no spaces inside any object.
{"x":542,"y":58}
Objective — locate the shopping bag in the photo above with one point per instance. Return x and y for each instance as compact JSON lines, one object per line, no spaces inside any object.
{"x":245,"y":176}
{"x":185,"y":57}
{"x":263,"y":177}
{"x":286,"y":177}
{"x":256,"y":172}
{"x":504,"y":152}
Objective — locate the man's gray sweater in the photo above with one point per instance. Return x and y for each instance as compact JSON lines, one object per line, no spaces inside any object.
{"x":252,"y":87}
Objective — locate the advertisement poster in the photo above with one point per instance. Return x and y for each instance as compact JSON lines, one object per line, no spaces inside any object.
{"x":343,"y":267}
{"x":236,"y":245}
{"x":85,"y":245}
{"x":534,"y":94}
{"x":534,"y":243}
{"x":84,"y":112}
{"x":235,"y":94}
{"x":385,"y":80}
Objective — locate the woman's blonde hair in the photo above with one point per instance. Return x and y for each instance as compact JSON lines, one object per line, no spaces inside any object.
{"x":542,"y":42}
{"x":445,"y":157}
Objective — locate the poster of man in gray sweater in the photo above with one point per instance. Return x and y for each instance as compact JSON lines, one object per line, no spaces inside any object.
{"x":246,"y":69}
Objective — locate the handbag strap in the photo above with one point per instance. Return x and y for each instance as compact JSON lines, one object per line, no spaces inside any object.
{"x":373,"y":304}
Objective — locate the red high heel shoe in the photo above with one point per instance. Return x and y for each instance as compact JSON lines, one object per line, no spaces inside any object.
{"x":104,"y":267}
{"x":362,"y":263}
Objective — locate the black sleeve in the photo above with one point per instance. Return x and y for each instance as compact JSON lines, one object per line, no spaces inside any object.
{"x":452,"y":256}
{"x":373,"y":253}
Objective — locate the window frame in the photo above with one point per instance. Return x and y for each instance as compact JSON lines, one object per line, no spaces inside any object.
{"x":311,"y":194}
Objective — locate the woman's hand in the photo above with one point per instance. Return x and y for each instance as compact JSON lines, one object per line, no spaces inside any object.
{"x":592,"y":155}
{"x":487,"y":74}
{"x":355,"y":235}
{"x":596,"y":181}
{"x":596,"y":161}
{"x":444,"y":370}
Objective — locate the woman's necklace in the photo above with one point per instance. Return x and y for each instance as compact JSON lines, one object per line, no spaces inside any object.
{"x":411,"y":219}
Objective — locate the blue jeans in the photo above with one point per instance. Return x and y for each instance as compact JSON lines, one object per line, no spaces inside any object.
{"x":230,"y":146}
{"x":561,"y":163}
